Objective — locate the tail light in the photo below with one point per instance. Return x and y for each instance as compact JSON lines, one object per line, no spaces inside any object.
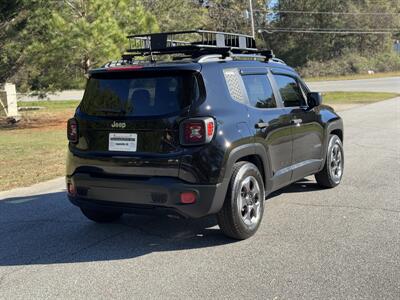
{"x":72,"y":130}
{"x":197,"y":131}
{"x":71,"y":189}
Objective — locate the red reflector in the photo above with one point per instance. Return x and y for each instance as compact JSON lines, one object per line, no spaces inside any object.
{"x":210,"y":129}
{"x":71,"y":189}
{"x":128,"y":68}
{"x":188,"y":197}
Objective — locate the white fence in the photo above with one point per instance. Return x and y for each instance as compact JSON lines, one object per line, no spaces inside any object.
{"x":8,"y":100}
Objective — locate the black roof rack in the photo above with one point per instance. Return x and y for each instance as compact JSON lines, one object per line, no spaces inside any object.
{"x":192,"y":42}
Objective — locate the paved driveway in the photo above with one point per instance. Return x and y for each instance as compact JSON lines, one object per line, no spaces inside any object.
{"x":313,"y":243}
{"x":388,"y":84}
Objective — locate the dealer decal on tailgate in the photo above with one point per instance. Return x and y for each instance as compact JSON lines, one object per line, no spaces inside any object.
{"x":122,"y":142}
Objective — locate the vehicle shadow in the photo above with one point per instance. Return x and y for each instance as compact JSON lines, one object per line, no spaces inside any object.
{"x":301,"y":186}
{"x":47,"y":229}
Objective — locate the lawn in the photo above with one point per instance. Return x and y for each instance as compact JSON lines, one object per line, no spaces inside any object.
{"x":29,"y":156}
{"x":35,"y":149}
{"x":355,"y":97}
{"x":51,"y":105}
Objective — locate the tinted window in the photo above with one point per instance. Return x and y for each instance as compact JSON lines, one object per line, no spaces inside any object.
{"x":259,"y":91}
{"x":290,"y":91}
{"x":144,"y":96}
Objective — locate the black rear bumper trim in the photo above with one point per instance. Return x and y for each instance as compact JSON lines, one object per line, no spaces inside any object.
{"x":157,"y":194}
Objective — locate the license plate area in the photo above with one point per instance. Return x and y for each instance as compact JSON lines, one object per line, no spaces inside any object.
{"x":126,"y":142}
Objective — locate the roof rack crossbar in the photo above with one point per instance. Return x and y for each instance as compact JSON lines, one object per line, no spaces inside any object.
{"x":196,"y":44}
{"x":248,"y":56}
{"x":190,"y":42}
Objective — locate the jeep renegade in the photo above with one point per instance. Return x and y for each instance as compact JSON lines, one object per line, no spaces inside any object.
{"x":212,"y":129}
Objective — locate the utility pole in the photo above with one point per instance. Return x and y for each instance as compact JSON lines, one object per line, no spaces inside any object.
{"x":252,"y":19}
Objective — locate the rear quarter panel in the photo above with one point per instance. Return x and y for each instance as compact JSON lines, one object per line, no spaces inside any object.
{"x":207,"y":164}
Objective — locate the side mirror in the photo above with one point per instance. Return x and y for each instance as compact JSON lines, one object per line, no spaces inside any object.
{"x":314,"y":99}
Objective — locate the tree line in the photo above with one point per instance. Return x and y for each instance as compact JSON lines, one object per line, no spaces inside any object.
{"x":51,"y":45}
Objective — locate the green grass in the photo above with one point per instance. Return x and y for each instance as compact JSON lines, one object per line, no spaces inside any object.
{"x":30,"y":156}
{"x":355,"y":97}
{"x":51,"y":105}
{"x":354,"y":76}
{"x":36,"y":152}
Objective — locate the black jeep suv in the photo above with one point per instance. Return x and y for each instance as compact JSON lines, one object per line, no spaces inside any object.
{"x":213,"y":130}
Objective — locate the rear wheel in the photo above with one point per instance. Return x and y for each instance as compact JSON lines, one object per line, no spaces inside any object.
{"x":243,"y":208}
{"x":100,"y":216}
{"x":332,"y":173}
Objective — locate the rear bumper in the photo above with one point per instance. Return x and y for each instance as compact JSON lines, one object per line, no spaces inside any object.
{"x":152,"y":194}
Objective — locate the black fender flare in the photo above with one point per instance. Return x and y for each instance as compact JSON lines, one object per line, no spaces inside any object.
{"x":235,"y":155}
{"x":335,"y":124}
{"x":246,"y":150}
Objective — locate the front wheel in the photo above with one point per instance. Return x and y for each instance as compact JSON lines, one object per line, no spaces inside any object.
{"x":243,"y":208}
{"x":332,"y":173}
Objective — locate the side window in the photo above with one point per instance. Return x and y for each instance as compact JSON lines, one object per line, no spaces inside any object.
{"x":290,"y":91}
{"x":259,"y":91}
{"x":232,"y":78}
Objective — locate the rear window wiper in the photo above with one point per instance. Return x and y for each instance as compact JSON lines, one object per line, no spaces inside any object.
{"x":111,"y":111}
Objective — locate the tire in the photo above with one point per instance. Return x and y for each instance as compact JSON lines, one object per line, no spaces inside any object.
{"x":331,"y":174}
{"x":243,"y":208}
{"x":100,"y":216}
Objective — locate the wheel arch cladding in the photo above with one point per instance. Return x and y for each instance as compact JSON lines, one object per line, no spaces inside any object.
{"x":339,"y":133}
{"x":256,"y":160}
{"x":335,"y":127}
{"x":254,"y":153}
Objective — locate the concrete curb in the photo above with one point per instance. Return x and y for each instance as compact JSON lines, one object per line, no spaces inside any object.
{"x":53,"y":185}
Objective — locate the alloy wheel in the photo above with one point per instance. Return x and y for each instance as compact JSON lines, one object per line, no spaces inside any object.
{"x":249,"y":201}
{"x":336,"y":163}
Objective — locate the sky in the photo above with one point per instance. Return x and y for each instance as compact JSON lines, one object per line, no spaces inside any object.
{"x":272,"y":3}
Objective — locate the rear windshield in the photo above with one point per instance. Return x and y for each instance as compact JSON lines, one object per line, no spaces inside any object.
{"x":139,"y":96}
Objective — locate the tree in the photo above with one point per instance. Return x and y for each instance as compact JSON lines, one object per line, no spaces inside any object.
{"x":219,"y":15}
{"x":297,"y":48}
{"x":13,"y":17}
{"x":50,"y":45}
{"x":62,"y":40}
{"x":177,"y":15}
{"x":229,"y":15}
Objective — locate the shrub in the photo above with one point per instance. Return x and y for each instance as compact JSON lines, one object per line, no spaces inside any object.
{"x":352,"y":63}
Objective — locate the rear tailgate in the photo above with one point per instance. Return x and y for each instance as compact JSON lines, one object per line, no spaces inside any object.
{"x":129,"y":122}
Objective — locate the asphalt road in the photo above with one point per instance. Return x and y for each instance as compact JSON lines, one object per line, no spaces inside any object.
{"x":388,"y":84}
{"x":342,"y":243}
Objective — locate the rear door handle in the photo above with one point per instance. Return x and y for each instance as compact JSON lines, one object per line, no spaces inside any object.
{"x":297,"y":122}
{"x":261,"y":125}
